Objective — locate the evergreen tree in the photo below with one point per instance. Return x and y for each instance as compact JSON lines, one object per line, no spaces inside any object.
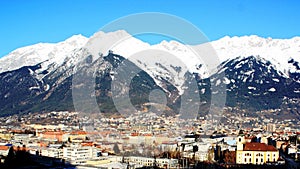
{"x":10,"y":157}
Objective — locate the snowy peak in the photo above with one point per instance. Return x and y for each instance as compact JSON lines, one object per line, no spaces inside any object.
{"x":42,"y":52}
{"x":255,"y":72}
{"x":75,"y":40}
{"x":119,"y":41}
{"x":277,"y":51}
{"x":282,"y":53}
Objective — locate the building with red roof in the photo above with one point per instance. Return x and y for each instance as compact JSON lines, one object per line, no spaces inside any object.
{"x":258,"y":147}
{"x":4,"y":150}
{"x":255,"y":153}
{"x":54,"y":136}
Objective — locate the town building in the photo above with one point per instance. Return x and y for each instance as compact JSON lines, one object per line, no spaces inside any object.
{"x":77,"y":154}
{"x":255,"y":152}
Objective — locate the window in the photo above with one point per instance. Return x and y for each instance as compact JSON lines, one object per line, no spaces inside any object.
{"x":259,"y":155}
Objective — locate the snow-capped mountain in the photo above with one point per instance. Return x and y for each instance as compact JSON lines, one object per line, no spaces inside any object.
{"x":251,"y":78}
{"x":45,"y":53}
{"x":284,"y":54}
{"x":280,"y":52}
{"x":277,"y":51}
{"x":250,"y":69}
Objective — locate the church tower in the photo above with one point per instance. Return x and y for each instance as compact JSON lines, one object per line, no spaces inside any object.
{"x":240,"y":142}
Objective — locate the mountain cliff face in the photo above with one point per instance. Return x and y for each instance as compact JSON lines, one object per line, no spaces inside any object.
{"x":255,"y":74}
{"x":254,"y":82}
{"x":23,"y":90}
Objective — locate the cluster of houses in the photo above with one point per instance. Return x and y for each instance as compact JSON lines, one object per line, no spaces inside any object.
{"x":149,"y":141}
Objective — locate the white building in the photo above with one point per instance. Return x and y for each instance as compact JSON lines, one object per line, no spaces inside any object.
{"x":77,"y":154}
{"x":160,"y":162}
{"x":22,"y":137}
{"x":51,"y":152}
{"x":4,"y":150}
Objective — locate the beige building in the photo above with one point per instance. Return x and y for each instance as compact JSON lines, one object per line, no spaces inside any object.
{"x":77,"y":136}
{"x":255,"y":153}
{"x":6,"y":135}
{"x":271,"y":127}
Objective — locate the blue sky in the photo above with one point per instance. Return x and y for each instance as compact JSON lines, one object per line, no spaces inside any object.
{"x":32,"y":21}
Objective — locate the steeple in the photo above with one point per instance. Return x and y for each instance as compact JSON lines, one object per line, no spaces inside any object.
{"x":240,"y":142}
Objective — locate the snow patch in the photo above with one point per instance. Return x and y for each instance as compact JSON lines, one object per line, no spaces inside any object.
{"x":218,"y":82}
{"x":226,"y":81}
{"x":272,"y":89}
{"x":46,"y":87}
{"x":202,"y":91}
{"x":34,"y":88}
{"x":251,"y":88}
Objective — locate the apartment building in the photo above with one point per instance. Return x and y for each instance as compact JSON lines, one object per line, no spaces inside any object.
{"x":77,"y":154}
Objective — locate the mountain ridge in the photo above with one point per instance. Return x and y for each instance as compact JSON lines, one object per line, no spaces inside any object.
{"x":224,"y":48}
{"x":248,"y":81}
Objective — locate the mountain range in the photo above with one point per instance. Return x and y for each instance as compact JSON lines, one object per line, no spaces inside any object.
{"x":249,"y":72}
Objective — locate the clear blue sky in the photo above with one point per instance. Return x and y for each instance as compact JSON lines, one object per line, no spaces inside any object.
{"x":26,"y":22}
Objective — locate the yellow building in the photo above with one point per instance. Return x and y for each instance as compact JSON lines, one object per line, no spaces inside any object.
{"x":6,"y":136}
{"x":76,"y":136}
{"x":255,"y":153}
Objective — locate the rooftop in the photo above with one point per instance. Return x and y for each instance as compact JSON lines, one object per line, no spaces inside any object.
{"x":259,"y":147}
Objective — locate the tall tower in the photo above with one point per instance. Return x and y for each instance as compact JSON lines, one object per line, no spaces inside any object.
{"x":240,"y":142}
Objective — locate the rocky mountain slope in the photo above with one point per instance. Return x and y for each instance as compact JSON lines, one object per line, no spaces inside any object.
{"x":253,"y":73}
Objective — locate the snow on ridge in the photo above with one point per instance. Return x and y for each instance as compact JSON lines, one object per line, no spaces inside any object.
{"x":277,"y":51}
{"x":41,"y":52}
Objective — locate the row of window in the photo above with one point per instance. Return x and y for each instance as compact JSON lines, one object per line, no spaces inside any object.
{"x":257,"y":160}
{"x":151,"y":161}
{"x":258,"y":155}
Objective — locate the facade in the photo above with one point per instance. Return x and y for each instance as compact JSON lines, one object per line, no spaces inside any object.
{"x":202,"y":155}
{"x":22,"y":137}
{"x":54,"y":136}
{"x":160,"y":162}
{"x":271,"y":127}
{"x":52,"y":152}
{"x":79,"y":154}
{"x":4,"y":150}
{"x":131,"y":162}
{"x":255,"y":153}
{"x":5,"y":135}
{"x":76,"y":136}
